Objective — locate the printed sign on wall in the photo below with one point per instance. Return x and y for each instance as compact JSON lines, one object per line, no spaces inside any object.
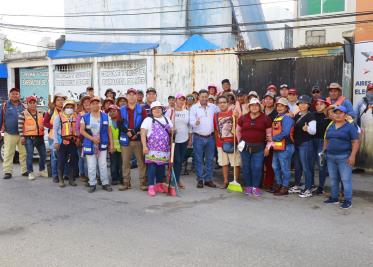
{"x":35,"y":81}
{"x":363,"y":70}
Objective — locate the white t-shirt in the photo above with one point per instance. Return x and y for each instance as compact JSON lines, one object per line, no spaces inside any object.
{"x":148,"y":123}
{"x":182,"y":126}
{"x":94,"y":125}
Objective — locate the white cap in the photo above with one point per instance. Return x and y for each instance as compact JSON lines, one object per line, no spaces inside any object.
{"x":156,"y":104}
{"x":253,"y":101}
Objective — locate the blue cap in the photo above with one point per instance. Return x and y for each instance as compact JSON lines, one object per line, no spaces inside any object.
{"x":340,"y":108}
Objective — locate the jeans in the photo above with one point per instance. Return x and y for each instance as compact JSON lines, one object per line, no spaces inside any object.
{"x":317,"y":148}
{"x":30,"y":154}
{"x":100,"y":161}
{"x":304,"y":161}
{"x":204,"y":149}
{"x":281,"y":165}
{"x":54,"y":160}
{"x":66,"y":152}
{"x":116,"y":166}
{"x":83,"y":169}
{"x":339,"y":170}
{"x":155,"y":173}
{"x":252,"y":168}
{"x":179,"y":154}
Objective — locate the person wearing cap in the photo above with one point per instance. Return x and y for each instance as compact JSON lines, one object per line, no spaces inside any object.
{"x":83,"y":108}
{"x":94,"y":126}
{"x":106,"y":103}
{"x":31,"y":130}
{"x":9,"y":114}
{"x":202,"y":121}
{"x":225,"y":125}
{"x":272,"y":88}
{"x":109,"y":93}
{"x":292,"y":100}
{"x":151,"y":96}
{"x":121,"y":101}
{"x":212,"y":99}
{"x":129,"y":122}
{"x":256,"y":129}
{"x":336,"y":99}
{"x":183,"y":133}
{"x":284,"y":90}
{"x":49,"y":118}
{"x":213,"y":89}
{"x":322,"y":122}
{"x":241,"y":107}
{"x":140,"y":97}
{"x":65,"y":140}
{"x":341,"y":145}
{"x":316,"y":94}
{"x":251,"y":95}
{"x":283,"y":147}
{"x":269,"y":109}
{"x":115,"y":155}
{"x":90,"y":91}
{"x":365,"y":104}
{"x":304,"y":131}
{"x":155,"y":138}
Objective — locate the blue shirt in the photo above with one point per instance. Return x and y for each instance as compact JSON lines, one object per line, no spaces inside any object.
{"x":11,"y":117}
{"x":340,"y":139}
{"x":286,"y":125}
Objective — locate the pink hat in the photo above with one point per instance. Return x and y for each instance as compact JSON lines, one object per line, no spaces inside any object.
{"x":179,"y":95}
{"x":212,"y":85}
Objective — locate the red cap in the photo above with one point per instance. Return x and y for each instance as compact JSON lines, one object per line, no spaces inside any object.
{"x":31,"y":98}
{"x":370,"y":86}
{"x":293,"y":91}
{"x":323,"y":101}
{"x":271,"y":86}
{"x":131,"y":90}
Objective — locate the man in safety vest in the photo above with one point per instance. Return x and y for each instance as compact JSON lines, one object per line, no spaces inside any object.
{"x":94,"y":126}
{"x":336,"y":99}
{"x":31,"y":130}
{"x":65,"y":138}
{"x":283,"y":147}
{"x":116,"y":155}
{"x":49,"y":118}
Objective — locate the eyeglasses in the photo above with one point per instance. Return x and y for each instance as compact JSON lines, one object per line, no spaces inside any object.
{"x":190,"y":98}
{"x":222,"y":102}
{"x":316,"y":92}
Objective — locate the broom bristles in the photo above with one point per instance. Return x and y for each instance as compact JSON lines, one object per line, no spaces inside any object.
{"x":234,"y":186}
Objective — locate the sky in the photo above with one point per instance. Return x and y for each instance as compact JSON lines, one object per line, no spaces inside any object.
{"x":50,"y":7}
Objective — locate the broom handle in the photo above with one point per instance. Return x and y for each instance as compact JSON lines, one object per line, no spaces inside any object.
{"x":234,"y":149}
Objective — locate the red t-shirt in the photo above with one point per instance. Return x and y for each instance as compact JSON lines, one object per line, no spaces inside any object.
{"x":223,"y":125}
{"x":254,"y":131}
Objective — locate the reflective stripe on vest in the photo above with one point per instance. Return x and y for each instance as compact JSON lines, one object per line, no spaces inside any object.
{"x":339,"y":101}
{"x":277,"y":129}
{"x":68,"y":126}
{"x":30,"y":127}
{"x":88,"y":145}
{"x":115,"y":135}
{"x":51,"y":121}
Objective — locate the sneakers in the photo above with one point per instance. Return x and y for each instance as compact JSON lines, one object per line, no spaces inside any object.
{"x":7,"y":176}
{"x":305,"y":193}
{"x":331,"y":200}
{"x":346,"y":204}
{"x":159,"y":188}
{"x":25,"y":174}
{"x":284,"y":191}
{"x":256,"y":192}
{"x":43,"y":173}
{"x":319,"y":191}
{"x":151,"y":190}
{"x":55,"y":179}
{"x":91,"y":189}
{"x":31,"y":176}
{"x":200,"y":184}
{"x":295,"y":190}
{"x":172,"y":191}
{"x":107,"y":187}
{"x":314,"y":189}
{"x":248,"y":190}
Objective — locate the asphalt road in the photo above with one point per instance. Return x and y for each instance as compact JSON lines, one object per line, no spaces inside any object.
{"x":43,"y":225}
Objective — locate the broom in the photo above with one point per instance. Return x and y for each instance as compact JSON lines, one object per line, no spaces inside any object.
{"x":234,"y":186}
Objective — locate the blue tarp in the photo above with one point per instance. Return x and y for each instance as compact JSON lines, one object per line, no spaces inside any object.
{"x":3,"y":71}
{"x":75,"y":49}
{"x":195,"y":43}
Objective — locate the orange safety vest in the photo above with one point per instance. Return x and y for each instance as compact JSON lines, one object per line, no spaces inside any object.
{"x":339,"y":101}
{"x":32,"y":127}
{"x":277,"y":129}
{"x":68,"y":128}
{"x":53,"y":117}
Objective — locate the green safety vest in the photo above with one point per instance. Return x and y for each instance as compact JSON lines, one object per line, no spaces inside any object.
{"x":115,"y":135}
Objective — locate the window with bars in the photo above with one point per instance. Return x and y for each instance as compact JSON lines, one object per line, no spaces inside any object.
{"x":317,"y":7}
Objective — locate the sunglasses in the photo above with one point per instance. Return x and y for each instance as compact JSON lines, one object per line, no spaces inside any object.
{"x":316,"y":92}
{"x":190,"y":98}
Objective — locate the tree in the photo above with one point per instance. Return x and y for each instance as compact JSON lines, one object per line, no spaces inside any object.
{"x":9,"y":48}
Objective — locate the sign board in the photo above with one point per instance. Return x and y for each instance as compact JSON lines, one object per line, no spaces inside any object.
{"x":72,"y":82}
{"x":122,"y":75}
{"x":35,"y":81}
{"x":363,"y":70}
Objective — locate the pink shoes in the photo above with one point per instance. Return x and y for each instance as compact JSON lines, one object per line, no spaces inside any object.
{"x":151,"y":190}
{"x":159,"y":188}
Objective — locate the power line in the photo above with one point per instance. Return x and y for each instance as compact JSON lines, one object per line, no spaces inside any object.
{"x":141,"y":13}
{"x":118,"y":30}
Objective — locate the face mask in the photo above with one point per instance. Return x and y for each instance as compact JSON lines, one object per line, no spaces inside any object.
{"x":69,"y":111}
{"x":370,"y":97}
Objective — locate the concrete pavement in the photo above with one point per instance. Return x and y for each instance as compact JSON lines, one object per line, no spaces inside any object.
{"x":43,"y":225}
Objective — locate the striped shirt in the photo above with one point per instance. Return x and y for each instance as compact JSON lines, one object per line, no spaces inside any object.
{"x":21,"y":121}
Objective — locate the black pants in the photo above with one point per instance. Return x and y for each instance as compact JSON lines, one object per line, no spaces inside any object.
{"x":66,"y":152}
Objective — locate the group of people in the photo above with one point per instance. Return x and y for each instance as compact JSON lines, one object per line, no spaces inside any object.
{"x":264,"y":138}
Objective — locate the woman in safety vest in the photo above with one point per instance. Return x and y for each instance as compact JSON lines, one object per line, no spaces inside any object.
{"x":65,"y":139}
{"x":31,"y":130}
{"x":94,"y":126}
{"x":283,"y":148}
{"x":116,"y":155}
